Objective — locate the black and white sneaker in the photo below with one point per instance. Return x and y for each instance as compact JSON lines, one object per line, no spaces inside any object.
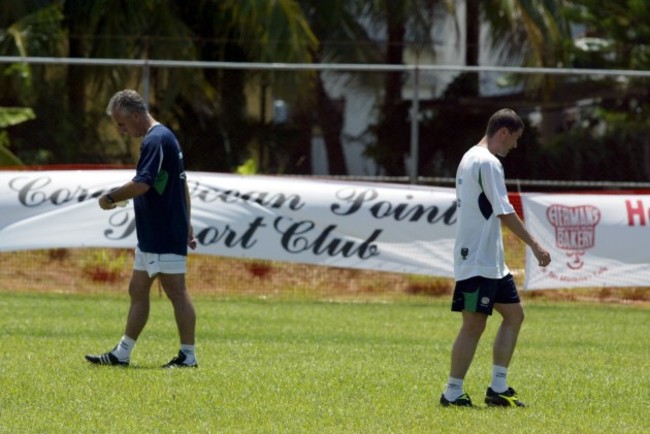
{"x":106,"y":359}
{"x":462,"y":401}
{"x":179,"y":362}
{"x":504,"y":399}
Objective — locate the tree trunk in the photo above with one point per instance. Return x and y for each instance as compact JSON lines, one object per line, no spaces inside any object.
{"x":472,"y":41}
{"x":330,"y":117}
{"x":76,"y":84}
{"x":393,"y":130}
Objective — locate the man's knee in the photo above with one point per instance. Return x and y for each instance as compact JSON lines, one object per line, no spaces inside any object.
{"x":519,"y":318}
{"x":139,"y":285}
{"x":474,"y":323}
{"x":511,"y":313}
{"x":174,"y":286}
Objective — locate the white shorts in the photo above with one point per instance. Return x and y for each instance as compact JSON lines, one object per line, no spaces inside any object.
{"x":154,"y":263}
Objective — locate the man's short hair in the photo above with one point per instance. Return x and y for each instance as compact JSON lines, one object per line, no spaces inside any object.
{"x":504,"y":118}
{"x":126,"y":101}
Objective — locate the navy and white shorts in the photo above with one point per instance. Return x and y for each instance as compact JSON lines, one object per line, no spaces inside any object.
{"x":479,"y":294}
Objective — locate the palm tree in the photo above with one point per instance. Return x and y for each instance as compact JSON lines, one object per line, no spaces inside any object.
{"x":530,"y":33}
{"x":27,"y":28}
{"x":351,"y":32}
{"x":341,"y":39}
{"x":522,"y":32}
{"x":121,"y":30}
{"x":165,"y":29}
{"x":621,"y":29}
{"x":408,"y":26}
{"x":247,"y":30}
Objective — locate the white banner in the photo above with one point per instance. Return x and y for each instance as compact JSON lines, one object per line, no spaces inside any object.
{"x":385,"y":227}
{"x":594,"y":240}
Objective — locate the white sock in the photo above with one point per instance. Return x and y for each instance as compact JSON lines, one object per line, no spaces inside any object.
{"x":499,"y":377}
{"x":123,"y":350}
{"x":188,"y":350}
{"x":454,"y":388}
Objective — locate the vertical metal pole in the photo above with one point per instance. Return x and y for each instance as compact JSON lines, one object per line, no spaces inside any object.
{"x":415,"y":130}
{"x":261,"y":161}
{"x":146,"y":73}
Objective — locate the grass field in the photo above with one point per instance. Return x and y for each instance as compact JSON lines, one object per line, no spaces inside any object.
{"x":302,"y":366}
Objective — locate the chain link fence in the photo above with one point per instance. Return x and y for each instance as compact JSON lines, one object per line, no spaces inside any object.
{"x":586,"y":130}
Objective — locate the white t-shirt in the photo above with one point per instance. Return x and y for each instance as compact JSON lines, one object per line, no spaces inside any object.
{"x":482,"y":196}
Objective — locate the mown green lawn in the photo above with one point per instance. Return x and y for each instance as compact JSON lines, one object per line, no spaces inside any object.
{"x":303,"y":366}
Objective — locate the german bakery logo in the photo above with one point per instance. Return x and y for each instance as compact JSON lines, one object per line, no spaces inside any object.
{"x":575,"y":230}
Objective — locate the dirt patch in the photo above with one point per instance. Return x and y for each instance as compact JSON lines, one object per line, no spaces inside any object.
{"x":108,"y":270}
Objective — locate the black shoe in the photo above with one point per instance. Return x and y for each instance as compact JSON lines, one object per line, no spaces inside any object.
{"x":106,"y":359}
{"x":462,"y":401}
{"x":503,"y":399}
{"x":179,"y":362}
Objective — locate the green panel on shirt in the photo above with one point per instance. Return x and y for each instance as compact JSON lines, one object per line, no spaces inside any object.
{"x":161,"y":181}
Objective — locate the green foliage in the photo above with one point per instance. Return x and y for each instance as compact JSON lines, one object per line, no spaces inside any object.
{"x":7,"y":158}
{"x":620,"y":38}
{"x":15,"y":115}
{"x":11,"y":116}
{"x":31,"y":27}
{"x":193,"y":100}
{"x":248,"y":168}
{"x":209,"y":109}
{"x":307,"y":366}
{"x":624,"y":24}
{"x":588,"y":151}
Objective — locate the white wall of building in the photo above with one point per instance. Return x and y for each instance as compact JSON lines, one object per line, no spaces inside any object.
{"x":360,"y":102}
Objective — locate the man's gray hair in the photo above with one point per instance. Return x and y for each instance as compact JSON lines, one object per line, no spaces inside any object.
{"x":126,"y":101}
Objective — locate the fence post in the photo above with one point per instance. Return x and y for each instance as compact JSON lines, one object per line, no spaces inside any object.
{"x":415,"y":130}
{"x":146,"y":73}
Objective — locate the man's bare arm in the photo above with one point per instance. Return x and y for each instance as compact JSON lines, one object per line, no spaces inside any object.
{"x":128,"y":191}
{"x":516,"y":226}
{"x":191,"y":239}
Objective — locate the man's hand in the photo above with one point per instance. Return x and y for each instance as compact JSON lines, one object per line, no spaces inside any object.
{"x":543,"y":257}
{"x":105,"y":203}
{"x":191,"y":239}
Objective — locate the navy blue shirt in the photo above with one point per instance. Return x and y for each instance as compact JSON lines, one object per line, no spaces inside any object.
{"x":161,"y":213}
